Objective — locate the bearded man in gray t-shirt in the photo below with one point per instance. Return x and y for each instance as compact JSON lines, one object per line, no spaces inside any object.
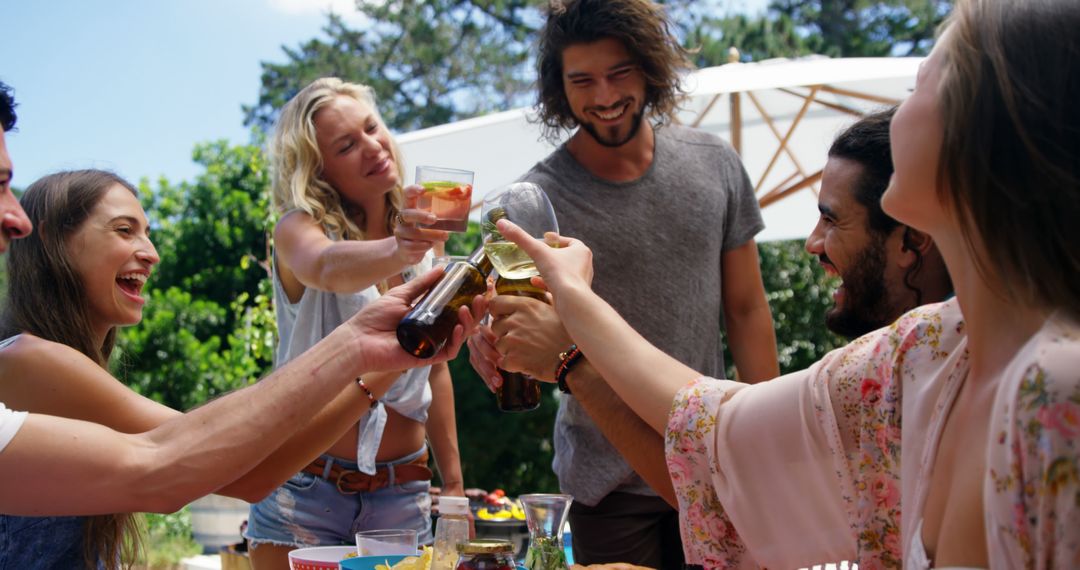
{"x":670,"y":216}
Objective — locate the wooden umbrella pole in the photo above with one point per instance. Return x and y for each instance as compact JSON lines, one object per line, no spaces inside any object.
{"x":787,"y":137}
{"x":775,"y":196}
{"x":776,"y":132}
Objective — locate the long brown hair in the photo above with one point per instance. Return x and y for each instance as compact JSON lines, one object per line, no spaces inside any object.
{"x":641,"y":26}
{"x":46,"y":298}
{"x":1010,"y":157}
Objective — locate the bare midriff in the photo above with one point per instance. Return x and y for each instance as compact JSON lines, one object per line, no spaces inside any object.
{"x":401,"y":437}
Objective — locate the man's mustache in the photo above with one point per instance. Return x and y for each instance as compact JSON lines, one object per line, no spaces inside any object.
{"x":611,"y":107}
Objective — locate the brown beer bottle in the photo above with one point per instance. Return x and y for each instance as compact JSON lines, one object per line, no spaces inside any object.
{"x":519,"y":392}
{"x":430,"y":323}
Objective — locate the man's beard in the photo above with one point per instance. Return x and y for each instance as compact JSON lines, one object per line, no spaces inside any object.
{"x":866,"y":304}
{"x":613,"y":141}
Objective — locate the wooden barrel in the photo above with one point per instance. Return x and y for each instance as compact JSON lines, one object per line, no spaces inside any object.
{"x":216,"y":520}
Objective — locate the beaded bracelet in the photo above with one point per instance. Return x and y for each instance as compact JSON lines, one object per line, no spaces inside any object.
{"x":370,"y":396}
{"x":567,"y":360}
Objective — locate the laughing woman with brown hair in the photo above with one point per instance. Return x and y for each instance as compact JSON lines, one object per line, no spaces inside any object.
{"x":71,"y":283}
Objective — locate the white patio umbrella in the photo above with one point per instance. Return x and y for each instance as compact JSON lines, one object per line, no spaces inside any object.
{"x":786,"y":113}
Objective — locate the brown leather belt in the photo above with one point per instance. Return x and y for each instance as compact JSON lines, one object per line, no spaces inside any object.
{"x":350,"y":482}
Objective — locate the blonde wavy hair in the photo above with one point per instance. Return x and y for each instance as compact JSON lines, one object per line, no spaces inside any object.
{"x":296,"y":162}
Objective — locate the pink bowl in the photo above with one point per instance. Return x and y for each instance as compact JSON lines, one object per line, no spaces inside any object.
{"x":319,"y":557}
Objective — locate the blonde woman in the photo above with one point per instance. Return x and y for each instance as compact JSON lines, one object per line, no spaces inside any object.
{"x":344,"y":237}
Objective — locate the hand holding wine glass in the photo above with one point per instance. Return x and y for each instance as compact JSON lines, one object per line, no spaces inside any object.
{"x":528,"y":206}
{"x":561,"y":262}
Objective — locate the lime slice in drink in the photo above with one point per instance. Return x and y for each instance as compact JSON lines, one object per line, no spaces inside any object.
{"x":436,"y":185}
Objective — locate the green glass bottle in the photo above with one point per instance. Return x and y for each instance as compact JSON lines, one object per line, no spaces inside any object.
{"x":427,"y":327}
{"x":519,"y":392}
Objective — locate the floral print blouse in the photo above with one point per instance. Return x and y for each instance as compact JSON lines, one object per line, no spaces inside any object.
{"x":809,"y":468}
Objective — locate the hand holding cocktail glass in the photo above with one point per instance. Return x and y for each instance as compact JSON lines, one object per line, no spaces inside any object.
{"x":411,"y":230}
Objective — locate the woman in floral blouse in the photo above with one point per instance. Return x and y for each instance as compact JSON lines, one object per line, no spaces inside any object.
{"x":949,"y":439}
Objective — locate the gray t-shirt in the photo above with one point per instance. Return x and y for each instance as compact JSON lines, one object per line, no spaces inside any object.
{"x":657,"y":243}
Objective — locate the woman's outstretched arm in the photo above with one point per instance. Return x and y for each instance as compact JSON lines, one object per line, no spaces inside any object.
{"x":642,"y":375}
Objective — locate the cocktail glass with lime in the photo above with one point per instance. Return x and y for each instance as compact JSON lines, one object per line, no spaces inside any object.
{"x":447,"y":194}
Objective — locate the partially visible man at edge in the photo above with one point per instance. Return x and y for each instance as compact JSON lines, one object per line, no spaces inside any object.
{"x":671,"y":217}
{"x":886,"y":269}
{"x":58,"y":466}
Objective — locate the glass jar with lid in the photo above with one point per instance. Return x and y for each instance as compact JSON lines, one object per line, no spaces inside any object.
{"x":485,"y":554}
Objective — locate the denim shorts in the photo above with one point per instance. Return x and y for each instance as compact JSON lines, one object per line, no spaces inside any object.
{"x":308,"y":510}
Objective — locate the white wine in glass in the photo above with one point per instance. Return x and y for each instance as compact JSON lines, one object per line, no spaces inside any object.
{"x":525,"y":204}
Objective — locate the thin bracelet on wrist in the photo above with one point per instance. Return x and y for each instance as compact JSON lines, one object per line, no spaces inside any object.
{"x":367,"y":391}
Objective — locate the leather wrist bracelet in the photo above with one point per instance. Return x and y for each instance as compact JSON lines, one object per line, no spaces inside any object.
{"x":567,"y":360}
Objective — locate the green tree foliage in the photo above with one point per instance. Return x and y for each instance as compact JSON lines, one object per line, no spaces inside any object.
{"x":866,"y":28}
{"x":836,"y":28}
{"x":224,"y":216}
{"x":756,"y":38}
{"x":430,"y":62}
{"x":799,"y":293}
{"x":173,"y":355}
{"x":169,"y":539}
{"x":435,"y":61}
{"x":208,"y":326}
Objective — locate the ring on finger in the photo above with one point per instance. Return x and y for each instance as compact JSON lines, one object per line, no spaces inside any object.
{"x":399,"y":219}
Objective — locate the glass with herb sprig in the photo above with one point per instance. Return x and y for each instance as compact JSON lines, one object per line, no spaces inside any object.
{"x":545,"y":515}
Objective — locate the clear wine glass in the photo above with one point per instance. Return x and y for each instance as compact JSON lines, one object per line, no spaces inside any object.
{"x":525,"y":204}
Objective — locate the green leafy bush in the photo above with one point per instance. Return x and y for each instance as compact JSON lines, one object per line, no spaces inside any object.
{"x":168,"y":539}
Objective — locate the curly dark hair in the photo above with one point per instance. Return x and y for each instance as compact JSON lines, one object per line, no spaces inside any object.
{"x":7,"y":107}
{"x":643,"y":28}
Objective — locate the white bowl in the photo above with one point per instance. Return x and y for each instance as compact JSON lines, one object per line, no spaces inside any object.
{"x":319,"y":557}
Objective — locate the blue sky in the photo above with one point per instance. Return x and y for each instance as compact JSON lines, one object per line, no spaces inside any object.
{"x":133,"y":85}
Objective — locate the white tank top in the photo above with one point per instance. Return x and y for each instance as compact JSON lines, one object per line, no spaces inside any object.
{"x":303,"y":324}
{"x":917,"y":559}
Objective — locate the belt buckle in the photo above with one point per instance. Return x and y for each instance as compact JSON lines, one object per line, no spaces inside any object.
{"x":341,"y":481}
{"x":365,"y":484}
